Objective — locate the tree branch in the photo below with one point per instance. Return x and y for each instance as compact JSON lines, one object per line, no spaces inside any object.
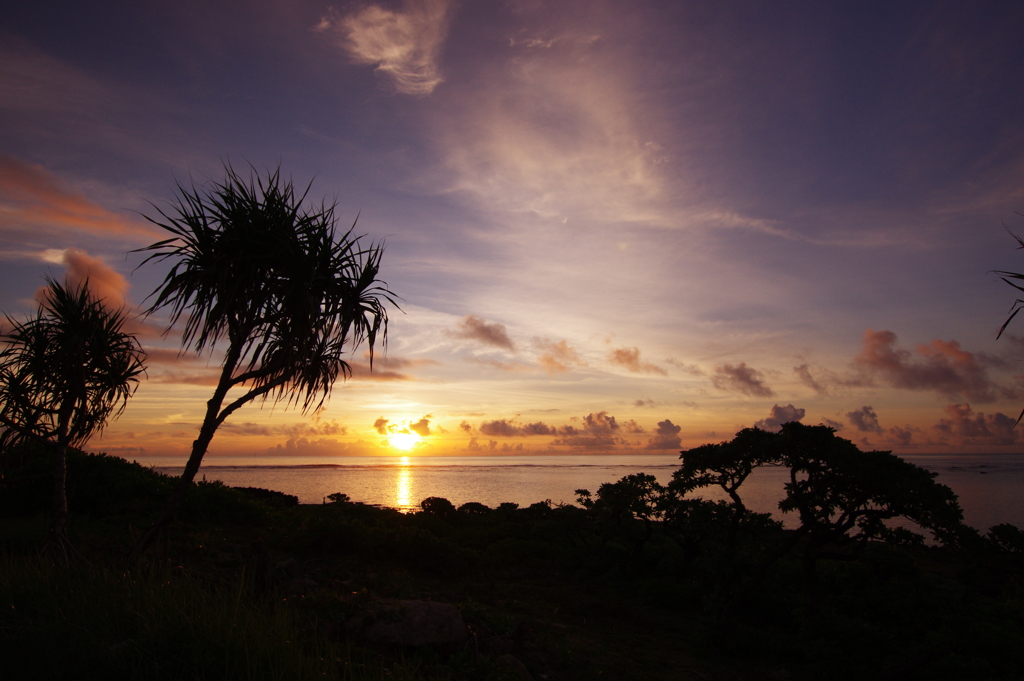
{"x":248,"y":397}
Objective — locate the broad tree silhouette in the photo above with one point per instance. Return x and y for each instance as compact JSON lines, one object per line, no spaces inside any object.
{"x":256,"y":267}
{"x":63,"y":374}
{"x":727,"y":465}
{"x":844,"y":497}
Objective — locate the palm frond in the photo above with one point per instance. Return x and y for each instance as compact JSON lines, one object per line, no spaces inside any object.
{"x":65,"y":372}
{"x":256,"y":266}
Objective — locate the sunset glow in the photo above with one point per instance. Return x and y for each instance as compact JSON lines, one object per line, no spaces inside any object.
{"x":614,"y":227}
{"x":403,"y":441}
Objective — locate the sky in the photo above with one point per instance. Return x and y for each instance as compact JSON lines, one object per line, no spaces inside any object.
{"x":615,"y":227}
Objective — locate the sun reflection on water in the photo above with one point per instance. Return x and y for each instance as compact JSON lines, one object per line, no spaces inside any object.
{"x":404,"y":487}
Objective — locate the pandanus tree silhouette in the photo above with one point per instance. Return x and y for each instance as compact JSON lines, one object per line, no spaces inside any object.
{"x":1011,"y":278}
{"x":256,"y":268}
{"x":63,"y":374}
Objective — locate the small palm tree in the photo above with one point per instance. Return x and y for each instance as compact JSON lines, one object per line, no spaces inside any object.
{"x":63,"y":374}
{"x":257,"y":270}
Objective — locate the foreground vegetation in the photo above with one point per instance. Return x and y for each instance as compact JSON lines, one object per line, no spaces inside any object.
{"x":253,"y":586}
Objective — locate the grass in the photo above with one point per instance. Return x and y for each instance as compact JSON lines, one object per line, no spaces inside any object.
{"x":543,"y":583}
{"x":95,"y":622}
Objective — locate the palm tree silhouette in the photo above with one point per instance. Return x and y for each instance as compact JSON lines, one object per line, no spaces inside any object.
{"x":255,"y":268}
{"x":1018,"y":305}
{"x":63,"y":374}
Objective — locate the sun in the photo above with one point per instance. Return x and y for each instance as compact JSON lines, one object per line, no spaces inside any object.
{"x":403,"y":441}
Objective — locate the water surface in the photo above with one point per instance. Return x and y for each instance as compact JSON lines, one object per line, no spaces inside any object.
{"x":989,"y":486}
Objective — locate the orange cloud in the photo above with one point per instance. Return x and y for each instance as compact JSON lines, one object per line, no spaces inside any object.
{"x":34,"y":199}
{"x":558,"y":357}
{"x":629,"y":359}
{"x":193,"y":374}
{"x":942,"y":366}
{"x":107,"y":285}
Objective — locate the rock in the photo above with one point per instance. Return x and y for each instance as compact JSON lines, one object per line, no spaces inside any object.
{"x":410,"y":623}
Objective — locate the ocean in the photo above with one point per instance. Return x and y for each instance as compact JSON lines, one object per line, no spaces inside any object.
{"x":990,"y":487}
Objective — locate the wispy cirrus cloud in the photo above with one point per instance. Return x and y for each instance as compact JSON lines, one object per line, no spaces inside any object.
{"x":405,"y":44}
{"x":552,"y":129}
{"x":513,"y":367}
{"x":395,"y":362}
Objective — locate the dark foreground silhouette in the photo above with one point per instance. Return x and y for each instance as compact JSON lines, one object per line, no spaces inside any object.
{"x":627,"y":587}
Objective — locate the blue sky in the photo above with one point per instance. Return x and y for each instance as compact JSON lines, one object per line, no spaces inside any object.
{"x":616,"y":226}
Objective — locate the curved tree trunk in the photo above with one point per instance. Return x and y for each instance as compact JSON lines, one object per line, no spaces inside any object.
{"x":175,"y":502}
{"x":57,"y":543}
{"x":215,"y":415}
{"x":158,"y":530}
